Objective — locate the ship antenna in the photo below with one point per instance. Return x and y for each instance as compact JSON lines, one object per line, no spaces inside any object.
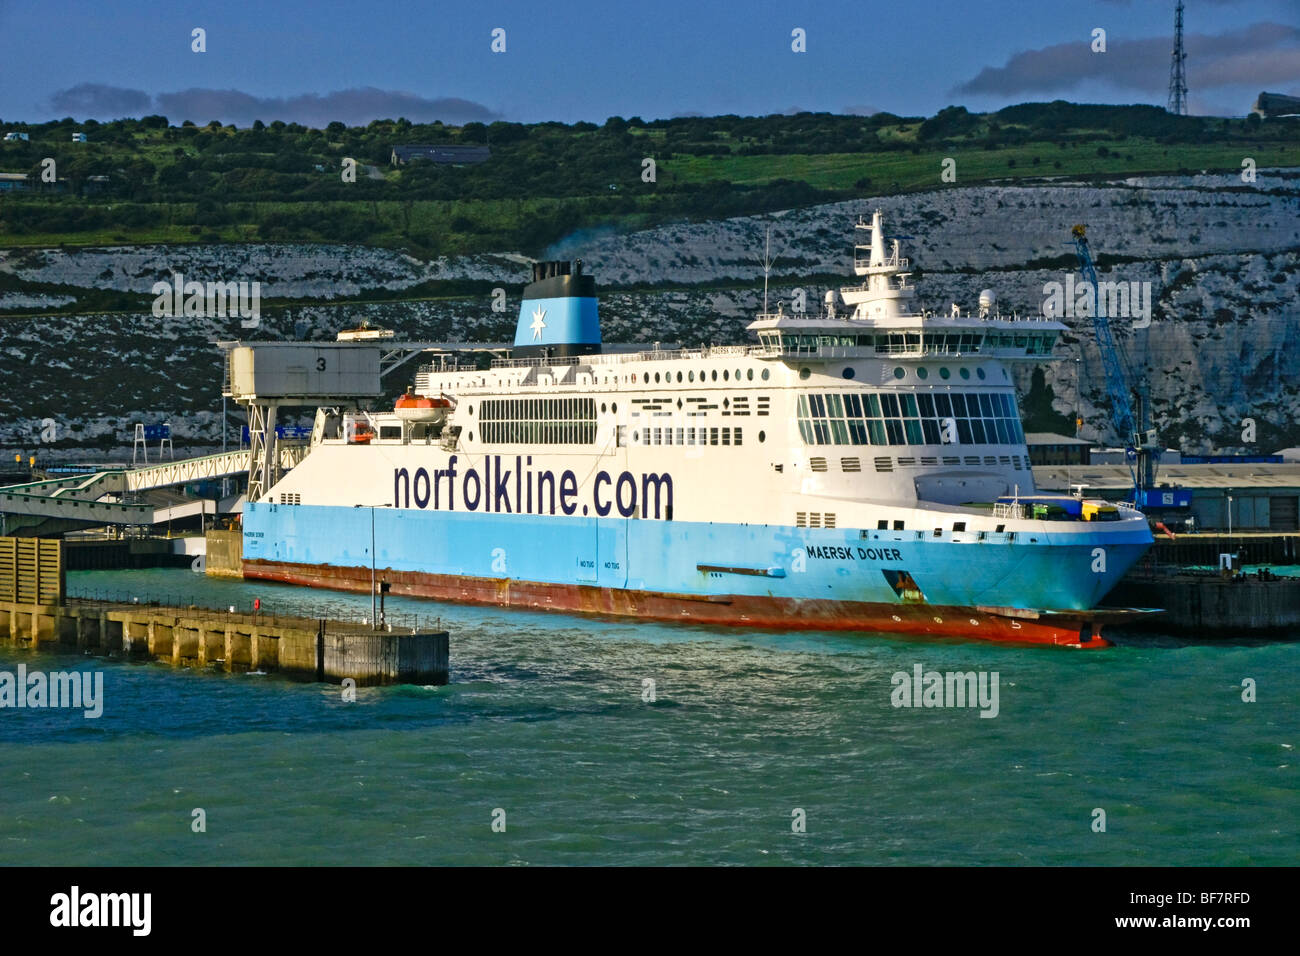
{"x":767,"y":262}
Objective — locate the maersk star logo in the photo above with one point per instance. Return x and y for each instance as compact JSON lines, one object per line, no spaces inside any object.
{"x":538,"y":324}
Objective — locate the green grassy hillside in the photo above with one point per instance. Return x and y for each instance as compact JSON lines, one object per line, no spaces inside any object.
{"x":144,"y":180}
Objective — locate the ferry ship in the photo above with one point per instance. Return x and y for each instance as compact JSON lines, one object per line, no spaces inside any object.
{"x":863,"y":468}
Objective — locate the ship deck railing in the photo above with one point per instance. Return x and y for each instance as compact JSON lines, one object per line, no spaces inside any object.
{"x":884,"y":325}
{"x":1006,"y":510}
{"x":894,"y":351}
{"x":753,"y":351}
{"x":893,"y":262}
{"x":620,"y":358}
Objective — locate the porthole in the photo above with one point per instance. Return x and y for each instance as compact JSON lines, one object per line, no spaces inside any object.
{"x":749,"y":374}
{"x":636,"y":436}
{"x":737,"y":375}
{"x":898,"y":371}
{"x":766,"y":372}
{"x":656,"y":378}
{"x":848,"y":372}
{"x":726,"y":376}
{"x":471,"y":436}
{"x":471,"y":409}
{"x":603,"y":406}
{"x":964,"y":372}
{"x":805,"y":372}
{"x":679,"y":377}
{"x":715,"y":374}
{"x":922,"y":373}
{"x":980,"y":373}
{"x":944,"y":373}
{"x":690,"y":376}
{"x":762,"y":437}
{"x":614,"y":407}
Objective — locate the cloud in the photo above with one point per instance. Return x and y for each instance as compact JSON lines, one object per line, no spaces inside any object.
{"x":355,"y":107}
{"x":100,"y":101}
{"x":1261,"y":55}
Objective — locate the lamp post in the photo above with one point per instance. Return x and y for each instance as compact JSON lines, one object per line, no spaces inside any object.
{"x":374,"y":624}
{"x":1229,"y":516}
{"x":374,"y":613}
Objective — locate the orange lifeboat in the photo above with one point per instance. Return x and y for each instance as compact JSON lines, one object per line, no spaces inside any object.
{"x":421,"y":408}
{"x":361,"y":434}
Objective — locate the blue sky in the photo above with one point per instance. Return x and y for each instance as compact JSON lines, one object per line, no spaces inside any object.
{"x":569,"y":61}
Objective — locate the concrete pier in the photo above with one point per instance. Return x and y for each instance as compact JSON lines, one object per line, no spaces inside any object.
{"x":1204,"y":549}
{"x":302,"y":648}
{"x":1208,"y":605}
{"x":1173,"y":575}
{"x":225,"y":554}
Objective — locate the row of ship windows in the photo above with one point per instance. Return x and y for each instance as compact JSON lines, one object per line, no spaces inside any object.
{"x":537,"y":421}
{"x":911,"y":431}
{"x":537,"y":410}
{"x":885,"y":419}
{"x":667,"y":377}
{"x":1033,"y":343}
{"x":691,"y":436}
{"x":538,"y":433}
{"x":924,"y":405}
{"x":886,"y":463}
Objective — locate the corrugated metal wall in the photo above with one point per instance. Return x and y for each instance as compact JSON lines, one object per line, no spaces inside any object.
{"x":31,"y":570}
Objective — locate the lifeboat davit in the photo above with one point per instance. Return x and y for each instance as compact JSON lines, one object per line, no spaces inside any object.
{"x":421,"y":408}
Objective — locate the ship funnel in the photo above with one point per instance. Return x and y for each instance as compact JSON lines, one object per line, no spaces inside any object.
{"x":558,"y":316}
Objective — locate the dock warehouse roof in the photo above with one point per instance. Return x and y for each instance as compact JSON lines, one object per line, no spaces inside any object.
{"x":446,"y":155}
{"x":1241,"y":477}
{"x":1051,"y":438}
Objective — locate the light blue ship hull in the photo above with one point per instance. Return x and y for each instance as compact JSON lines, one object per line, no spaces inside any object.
{"x":831,"y":570}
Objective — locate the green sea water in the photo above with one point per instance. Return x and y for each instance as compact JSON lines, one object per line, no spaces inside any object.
{"x":546,"y":726}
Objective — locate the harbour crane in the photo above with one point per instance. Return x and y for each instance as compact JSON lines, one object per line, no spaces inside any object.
{"x":1142,"y":445}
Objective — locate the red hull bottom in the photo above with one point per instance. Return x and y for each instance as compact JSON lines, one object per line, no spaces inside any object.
{"x":1004,"y":625}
